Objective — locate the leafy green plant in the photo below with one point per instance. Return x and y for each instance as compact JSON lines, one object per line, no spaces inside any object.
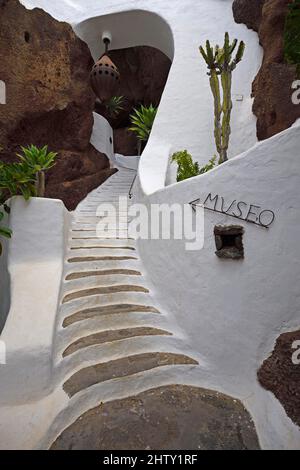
{"x":142,"y":121}
{"x":36,"y":161}
{"x":292,"y":35}
{"x":187,"y":168}
{"x":4,"y":231}
{"x":114,"y":105}
{"x":209,"y":166}
{"x":221,"y":65}
{"x":25,"y":177}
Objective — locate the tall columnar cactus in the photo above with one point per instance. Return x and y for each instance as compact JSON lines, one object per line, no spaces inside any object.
{"x":221,"y":65}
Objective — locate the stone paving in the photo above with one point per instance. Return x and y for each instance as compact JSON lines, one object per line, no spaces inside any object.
{"x":167,"y":418}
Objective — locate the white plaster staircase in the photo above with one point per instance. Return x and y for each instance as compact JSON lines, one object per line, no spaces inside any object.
{"x":112,"y":338}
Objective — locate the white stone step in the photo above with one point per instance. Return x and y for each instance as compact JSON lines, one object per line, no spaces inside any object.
{"x":111,"y":322}
{"x":114,"y":244}
{"x":101,"y":231}
{"x":123,"y":220}
{"x":99,"y":354}
{"x":101,"y":265}
{"x":74,"y":306}
{"x":102,"y":281}
{"x":101,"y":252}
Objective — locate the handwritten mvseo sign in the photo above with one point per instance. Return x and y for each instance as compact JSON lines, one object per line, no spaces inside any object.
{"x":251,"y":213}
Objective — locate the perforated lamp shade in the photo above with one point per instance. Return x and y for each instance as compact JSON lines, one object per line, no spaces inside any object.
{"x":105,"y":78}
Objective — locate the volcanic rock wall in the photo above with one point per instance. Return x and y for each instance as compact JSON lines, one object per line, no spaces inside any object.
{"x":49,"y":101}
{"x":272,"y":87}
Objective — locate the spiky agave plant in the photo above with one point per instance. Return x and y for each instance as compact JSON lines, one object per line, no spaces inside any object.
{"x":38,"y":160}
{"x":142,"y":121}
{"x":221,"y":65}
{"x":16,"y":178}
{"x":115,"y":105}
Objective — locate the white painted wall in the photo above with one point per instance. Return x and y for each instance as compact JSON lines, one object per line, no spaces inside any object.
{"x":35,"y":264}
{"x":103,"y":140}
{"x":128,"y":29}
{"x":102,"y":136}
{"x":233,"y":311}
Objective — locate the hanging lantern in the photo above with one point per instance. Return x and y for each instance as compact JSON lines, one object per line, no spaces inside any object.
{"x":105,"y":77}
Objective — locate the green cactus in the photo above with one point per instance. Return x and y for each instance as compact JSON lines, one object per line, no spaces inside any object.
{"x":221,"y":65}
{"x":292,"y":35}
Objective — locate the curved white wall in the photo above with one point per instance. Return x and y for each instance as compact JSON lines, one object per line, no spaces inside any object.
{"x":35,"y":260}
{"x":103,"y":140}
{"x":231,"y":311}
{"x":128,"y":29}
{"x":102,"y":136}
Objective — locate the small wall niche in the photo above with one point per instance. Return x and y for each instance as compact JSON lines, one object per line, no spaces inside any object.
{"x":229,"y":241}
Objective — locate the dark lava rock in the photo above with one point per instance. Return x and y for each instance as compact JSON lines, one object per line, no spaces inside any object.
{"x":280,"y":375}
{"x":72,"y":192}
{"x":173,"y":417}
{"x":248,"y":12}
{"x":125,"y":142}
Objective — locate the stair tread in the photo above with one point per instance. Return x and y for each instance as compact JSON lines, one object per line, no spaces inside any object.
{"x":112,"y":335}
{"x":123,"y":367}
